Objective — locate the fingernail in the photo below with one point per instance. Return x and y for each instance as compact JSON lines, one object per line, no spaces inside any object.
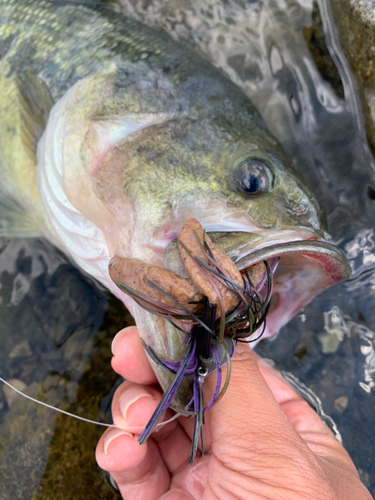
{"x":116,"y":338}
{"x":130,"y":397}
{"x":112,"y":435}
{"x":196,"y":481}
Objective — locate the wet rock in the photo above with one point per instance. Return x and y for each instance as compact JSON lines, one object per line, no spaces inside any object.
{"x":10,"y":394}
{"x":355,"y":20}
{"x":25,"y":434}
{"x":53,"y":355}
{"x":341,"y":403}
{"x":364,"y":477}
{"x":330,"y":341}
{"x":316,"y":43}
{"x":21,"y":350}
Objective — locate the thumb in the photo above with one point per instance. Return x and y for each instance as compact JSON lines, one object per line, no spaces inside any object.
{"x":248,"y":412}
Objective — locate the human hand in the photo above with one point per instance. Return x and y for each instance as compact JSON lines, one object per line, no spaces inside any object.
{"x":262,"y":440}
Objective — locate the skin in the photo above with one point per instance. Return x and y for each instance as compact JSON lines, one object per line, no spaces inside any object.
{"x":263,"y":441}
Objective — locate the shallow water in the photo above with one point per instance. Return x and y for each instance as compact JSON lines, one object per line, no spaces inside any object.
{"x":55,"y":333}
{"x":56,"y":325}
{"x":286,"y":56}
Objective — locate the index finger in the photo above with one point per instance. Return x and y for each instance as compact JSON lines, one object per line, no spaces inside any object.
{"x":129,"y":358}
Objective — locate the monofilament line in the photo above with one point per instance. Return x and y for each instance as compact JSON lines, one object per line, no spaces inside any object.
{"x":159,"y":426}
{"x":54,"y":408}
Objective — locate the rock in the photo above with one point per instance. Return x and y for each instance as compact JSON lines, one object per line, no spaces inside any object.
{"x":21,"y":350}
{"x":341,"y":403}
{"x":355,"y":20}
{"x":10,"y":394}
{"x":330,"y":341}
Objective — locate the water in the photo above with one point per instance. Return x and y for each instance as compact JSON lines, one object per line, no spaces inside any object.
{"x":301,"y":84}
{"x":285,"y":55}
{"x":55,"y":332}
{"x":262,"y":46}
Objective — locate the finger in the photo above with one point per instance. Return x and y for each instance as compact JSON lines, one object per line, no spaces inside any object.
{"x":130,"y":361}
{"x":129,"y":358}
{"x":174,"y":447}
{"x":132,"y":407}
{"x":188,"y":424}
{"x":304,"y":419}
{"x":138,"y":470}
{"x":251,"y":435}
{"x":191,"y":482}
{"x":257,"y":440}
{"x":258,"y":412}
{"x":297,"y":410}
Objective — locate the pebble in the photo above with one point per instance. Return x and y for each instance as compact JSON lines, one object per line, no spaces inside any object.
{"x":341,"y":403}
{"x":10,"y":394}
{"x":21,"y":350}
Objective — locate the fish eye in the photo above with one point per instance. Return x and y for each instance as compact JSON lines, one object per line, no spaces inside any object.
{"x":253,"y":177}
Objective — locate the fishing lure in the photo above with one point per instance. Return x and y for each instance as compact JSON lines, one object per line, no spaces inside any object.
{"x":211,"y":329}
{"x":211,"y":332}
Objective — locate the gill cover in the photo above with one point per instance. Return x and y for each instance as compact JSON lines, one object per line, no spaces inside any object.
{"x":92,"y":117}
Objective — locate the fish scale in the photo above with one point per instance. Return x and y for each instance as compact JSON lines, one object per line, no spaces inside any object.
{"x":135,"y":135}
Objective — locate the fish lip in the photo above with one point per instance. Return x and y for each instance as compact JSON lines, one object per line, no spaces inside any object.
{"x":338,"y":266}
{"x":308,"y":265}
{"x":306,"y":268}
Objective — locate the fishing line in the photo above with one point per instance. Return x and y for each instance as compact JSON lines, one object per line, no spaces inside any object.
{"x":161,"y":424}
{"x":54,"y":408}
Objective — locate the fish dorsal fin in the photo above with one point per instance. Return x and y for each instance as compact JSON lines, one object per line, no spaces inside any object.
{"x":14,"y":221}
{"x":36,"y":103}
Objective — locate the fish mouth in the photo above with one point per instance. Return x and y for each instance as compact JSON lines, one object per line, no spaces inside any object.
{"x":305,"y":268}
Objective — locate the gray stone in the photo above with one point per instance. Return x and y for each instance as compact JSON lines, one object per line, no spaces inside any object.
{"x":355,"y":20}
{"x":10,"y":394}
{"x":341,"y":403}
{"x":21,"y":350}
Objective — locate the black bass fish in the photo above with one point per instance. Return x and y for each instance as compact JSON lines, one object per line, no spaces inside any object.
{"x":113,"y":137}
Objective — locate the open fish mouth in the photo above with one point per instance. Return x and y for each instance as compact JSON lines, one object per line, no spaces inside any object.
{"x":304,"y":269}
{"x":301,"y":268}
{"x":285,"y":276}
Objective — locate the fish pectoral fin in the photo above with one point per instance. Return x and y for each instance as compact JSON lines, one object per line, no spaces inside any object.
{"x":14,"y":221}
{"x":35,"y":102}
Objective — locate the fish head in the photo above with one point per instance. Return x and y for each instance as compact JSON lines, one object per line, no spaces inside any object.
{"x":141,"y":154}
{"x":255,"y":207}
